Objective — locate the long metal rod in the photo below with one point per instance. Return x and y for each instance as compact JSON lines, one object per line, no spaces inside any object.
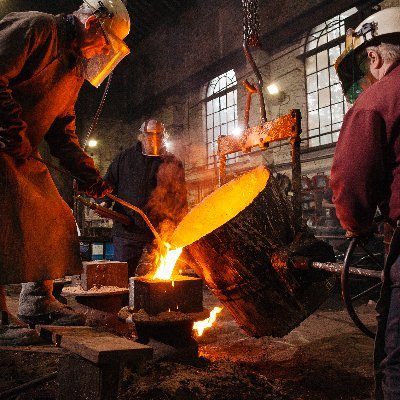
{"x":337,"y":269}
{"x":24,"y":387}
{"x":139,"y":211}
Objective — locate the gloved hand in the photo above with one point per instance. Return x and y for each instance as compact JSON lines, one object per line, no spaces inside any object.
{"x":97,"y":190}
{"x":18,"y":147}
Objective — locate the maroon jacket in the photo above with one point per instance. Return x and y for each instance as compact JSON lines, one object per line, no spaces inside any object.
{"x":366,"y":165}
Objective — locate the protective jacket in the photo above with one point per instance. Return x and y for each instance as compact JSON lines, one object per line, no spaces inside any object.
{"x":39,"y":85}
{"x":366,"y":165}
{"x":154,"y":184}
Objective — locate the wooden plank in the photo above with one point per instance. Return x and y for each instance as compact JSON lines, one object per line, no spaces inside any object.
{"x":96,"y":346}
{"x":107,"y":349}
{"x":55,"y":333}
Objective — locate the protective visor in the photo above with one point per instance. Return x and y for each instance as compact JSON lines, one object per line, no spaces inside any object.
{"x":352,"y":71}
{"x":153,"y":143}
{"x":99,"y":67}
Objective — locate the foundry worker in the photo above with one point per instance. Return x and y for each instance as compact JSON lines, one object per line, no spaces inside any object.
{"x":44,"y":60}
{"x":151,"y":178}
{"x":366,"y":167}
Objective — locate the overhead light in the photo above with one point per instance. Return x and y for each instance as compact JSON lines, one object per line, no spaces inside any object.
{"x":92,"y":143}
{"x":168,"y":144}
{"x":237,"y":131}
{"x":273,"y":89}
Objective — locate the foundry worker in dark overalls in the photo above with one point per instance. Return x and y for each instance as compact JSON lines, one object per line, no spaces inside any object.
{"x":151,"y":178}
{"x":44,"y":60}
{"x":366,"y":167}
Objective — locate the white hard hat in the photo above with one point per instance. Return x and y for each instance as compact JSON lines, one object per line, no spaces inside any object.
{"x":113,"y":15}
{"x":115,"y":22}
{"x":381,"y":26}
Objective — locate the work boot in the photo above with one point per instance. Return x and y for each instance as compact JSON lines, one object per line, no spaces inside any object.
{"x":12,"y":331}
{"x":37,"y":305}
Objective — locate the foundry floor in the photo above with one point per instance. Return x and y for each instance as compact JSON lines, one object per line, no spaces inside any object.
{"x":326,"y":357}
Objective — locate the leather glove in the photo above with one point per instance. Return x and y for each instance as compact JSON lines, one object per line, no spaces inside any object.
{"x":18,"y":147}
{"x":97,"y":190}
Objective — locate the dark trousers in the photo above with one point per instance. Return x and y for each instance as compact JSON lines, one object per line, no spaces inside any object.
{"x":387,"y":340}
{"x":128,"y":250}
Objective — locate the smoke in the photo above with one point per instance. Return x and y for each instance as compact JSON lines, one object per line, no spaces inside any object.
{"x":167,"y":204}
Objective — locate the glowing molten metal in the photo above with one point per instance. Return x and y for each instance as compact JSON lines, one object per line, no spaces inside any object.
{"x":167,"y":263}
{"x":199,"y":326}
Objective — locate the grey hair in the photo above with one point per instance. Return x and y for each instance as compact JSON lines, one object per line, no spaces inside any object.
{"x":388,"y":51}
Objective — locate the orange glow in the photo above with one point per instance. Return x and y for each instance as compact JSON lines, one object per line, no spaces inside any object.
{"x":199,"y":326}
{"x":219,"y":207}
{"x":167,"y":263}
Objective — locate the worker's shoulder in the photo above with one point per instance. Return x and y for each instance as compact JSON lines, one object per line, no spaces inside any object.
{"x":30,"y":20}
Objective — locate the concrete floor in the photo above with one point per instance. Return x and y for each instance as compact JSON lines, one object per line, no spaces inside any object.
{"x":326,"y":357}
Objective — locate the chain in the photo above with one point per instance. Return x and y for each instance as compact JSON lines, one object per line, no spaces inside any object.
{"x":251,"y":22}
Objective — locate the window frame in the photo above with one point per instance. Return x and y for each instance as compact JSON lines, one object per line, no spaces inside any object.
{"x":214,"y":130}
{"x":324,"y":120}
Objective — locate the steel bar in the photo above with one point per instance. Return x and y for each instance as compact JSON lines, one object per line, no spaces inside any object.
{"x":337,"y":268}
{"x":24,"y":387}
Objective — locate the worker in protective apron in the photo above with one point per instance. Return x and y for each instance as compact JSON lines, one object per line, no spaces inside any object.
{"x":44,"y":61}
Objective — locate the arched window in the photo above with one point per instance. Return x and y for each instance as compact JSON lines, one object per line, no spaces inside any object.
{"x":326,"y":105}
{"x":221,"y":103}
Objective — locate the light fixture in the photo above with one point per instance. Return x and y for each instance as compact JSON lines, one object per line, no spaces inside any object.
{"x":92,"y":143}
{"x":273,"y":89}
{"x":237,"y":131}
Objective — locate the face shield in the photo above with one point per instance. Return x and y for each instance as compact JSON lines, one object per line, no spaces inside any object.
{"x":153,"y":143}
{"x":114,"y":21}
{"x":99,"y":67}
{"x":353,"y":72}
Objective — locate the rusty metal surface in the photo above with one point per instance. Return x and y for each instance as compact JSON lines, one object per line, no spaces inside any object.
{"x":285,"y":127}
{"x":337,"y":268}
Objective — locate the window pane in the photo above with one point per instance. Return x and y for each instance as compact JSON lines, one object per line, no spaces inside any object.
{"x":231,"y":114}
{"x":224,"y":129}
{"x":223,"y":117}
{"x":334,"y":53}
{"x":335,"y":136}
{"x":324,"y":98}
{"x":230,"y":99}
{"x":334,"y":32}
{"x":311,"y":83}
{"x":326,"y":139}
{"x":223,"y":102}
{"x":313,"y":119}
{"x":311,"y":64}
{"x":312,"y":101}
{"x":216,"y":104}
{"x":333,"y":76}
{"x":210,"y":121}
{"x":336,"y":94}
{"x":217,"y":119}
{"x":337,"y":113}
{"x":323,"y":79}
{"x":322,"y":60}
{"x":209,"y":107}
{"x":210,"y":137}
{"x":325,"y":119}
{"x":231,"y":126}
